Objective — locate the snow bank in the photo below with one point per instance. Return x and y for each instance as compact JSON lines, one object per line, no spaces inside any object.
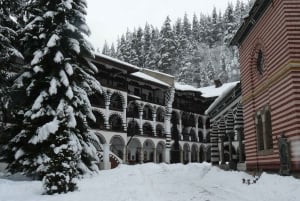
{"x":149,"y":182}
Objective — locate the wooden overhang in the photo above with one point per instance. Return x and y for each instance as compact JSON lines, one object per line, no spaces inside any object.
{"x":255,"y":14}
{"x":110,"y":63}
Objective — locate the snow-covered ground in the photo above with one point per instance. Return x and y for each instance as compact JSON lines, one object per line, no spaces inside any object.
{"x":151,"y":182}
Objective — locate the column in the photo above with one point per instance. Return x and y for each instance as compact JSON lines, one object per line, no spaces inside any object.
{"x":197,"y":130}
{"x":106,"y":162}
{"x":180,"y":129}
{"x":181,"y":156}
{"x":124,"y":119}
{"x":106,"y":119}
{"x":222,"y":151}
{"x":240,"y":140}
{"x":154,"y":155}
{"x":142,"y":155}
{"x":125,"y":155}
{"x":154,"y":124}
{"x":141,"y":120}
{"x":189,"y":156}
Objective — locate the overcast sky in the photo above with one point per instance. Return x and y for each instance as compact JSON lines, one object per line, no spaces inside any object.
{"x":109,"y":19}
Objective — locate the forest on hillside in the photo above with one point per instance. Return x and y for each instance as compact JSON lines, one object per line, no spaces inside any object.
{"x":196,"y":51}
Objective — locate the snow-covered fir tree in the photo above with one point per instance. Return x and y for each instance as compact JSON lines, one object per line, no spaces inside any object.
{"x":167,"y":49}
{"x":207,"y":38}
{"x":53,"y":141}
{"x":9,"y":56}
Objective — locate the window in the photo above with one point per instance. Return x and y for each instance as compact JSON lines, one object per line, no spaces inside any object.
{"x":263,"y":124}
{"x":260,"y":62}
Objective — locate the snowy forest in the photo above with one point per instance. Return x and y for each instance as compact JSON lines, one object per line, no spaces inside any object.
{"x":196,"y":51}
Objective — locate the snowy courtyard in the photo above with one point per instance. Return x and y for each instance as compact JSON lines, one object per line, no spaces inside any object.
{"x":152,"y":182}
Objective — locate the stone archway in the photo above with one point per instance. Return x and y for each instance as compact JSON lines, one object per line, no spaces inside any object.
{"x":99,"y":124}
{"x":160,"y":152}
{"x":116,"y":102}
{"x":134,"y":151}
{"x":194,"y":152}
{"x":117,"y":145}
{"x":186,"y":153}
{"x":148,"y":148}
{"x":116,"y":123}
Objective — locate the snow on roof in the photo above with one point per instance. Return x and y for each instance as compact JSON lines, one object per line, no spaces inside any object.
{"x":185,"y":87}
{"x":222,"y":95}
{"x":116,"y":60}
{"x":212,"y":91}
{"x":149,"y":78}
{"x":156,"y":71}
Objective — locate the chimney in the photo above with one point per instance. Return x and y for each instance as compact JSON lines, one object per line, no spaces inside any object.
{"x":218,"y":83}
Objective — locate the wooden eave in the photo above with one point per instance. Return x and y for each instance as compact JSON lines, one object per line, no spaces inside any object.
{"x":258,"y":9}
{"x":110,"y":63}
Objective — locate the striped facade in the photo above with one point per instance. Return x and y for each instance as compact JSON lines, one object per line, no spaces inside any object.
{"x":273,"y":27}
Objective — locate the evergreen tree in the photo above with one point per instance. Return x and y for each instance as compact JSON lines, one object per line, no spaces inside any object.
{"x":113,"y":52}
{"x":9,"y":55}
{"x":105,"y":49}
{"x":53,"y":141}
{"x":195,"y":30}
{"x":187,"y":30}
{"x":147,"y":45}
{"x":167,"y":48}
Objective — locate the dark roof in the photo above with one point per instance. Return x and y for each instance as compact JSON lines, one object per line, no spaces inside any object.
{"x":255,"y":13}
{"x":123,"y":66}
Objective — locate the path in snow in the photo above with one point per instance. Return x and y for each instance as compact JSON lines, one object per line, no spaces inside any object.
{"x":150,"y":182}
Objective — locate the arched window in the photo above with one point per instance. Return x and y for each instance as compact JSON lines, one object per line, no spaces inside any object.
{"x":200,"y":122}
{"x":193,"y":135}
{"x":116,"y":102}
{"x":260,"y":62}
{"x":133,"y":128}
{"x":259,"y":132}
{"x":268,"y":126}
{"x":99,"y":124}
{"x":97,"y":100}
{"x":115,"y":123}
{"x":160,"y":115}
{"x":159,"y":130}
{"x":200,"y":136}
{"x":185,"y":134}
{"x":147,"y":113}
{"x":133,"y":110}
{"x":147,"y":129}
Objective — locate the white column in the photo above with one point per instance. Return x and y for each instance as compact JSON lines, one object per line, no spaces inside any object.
{"x":181,"y":156}
{"x":141,"y":121}
{"x":154,"y":155}
{"x":142,"y":155}
{"x":106,"y":162}
{"x":124,"y":119}
{"x":189,"y":156}
{"x":167,"y":157}
{"x":124,"y":155}
{"x":154,"y":124}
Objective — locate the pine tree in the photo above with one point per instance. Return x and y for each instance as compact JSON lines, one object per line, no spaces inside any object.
{"x":105,"y":49}
{"x":167,"y":48}
{"x":53,"y":141}
{"x":195,"y":30}
{"x":9,"y":55}
{"x":113,"y":52}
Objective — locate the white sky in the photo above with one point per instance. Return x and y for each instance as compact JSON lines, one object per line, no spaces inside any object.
{"x":109,"y":19}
